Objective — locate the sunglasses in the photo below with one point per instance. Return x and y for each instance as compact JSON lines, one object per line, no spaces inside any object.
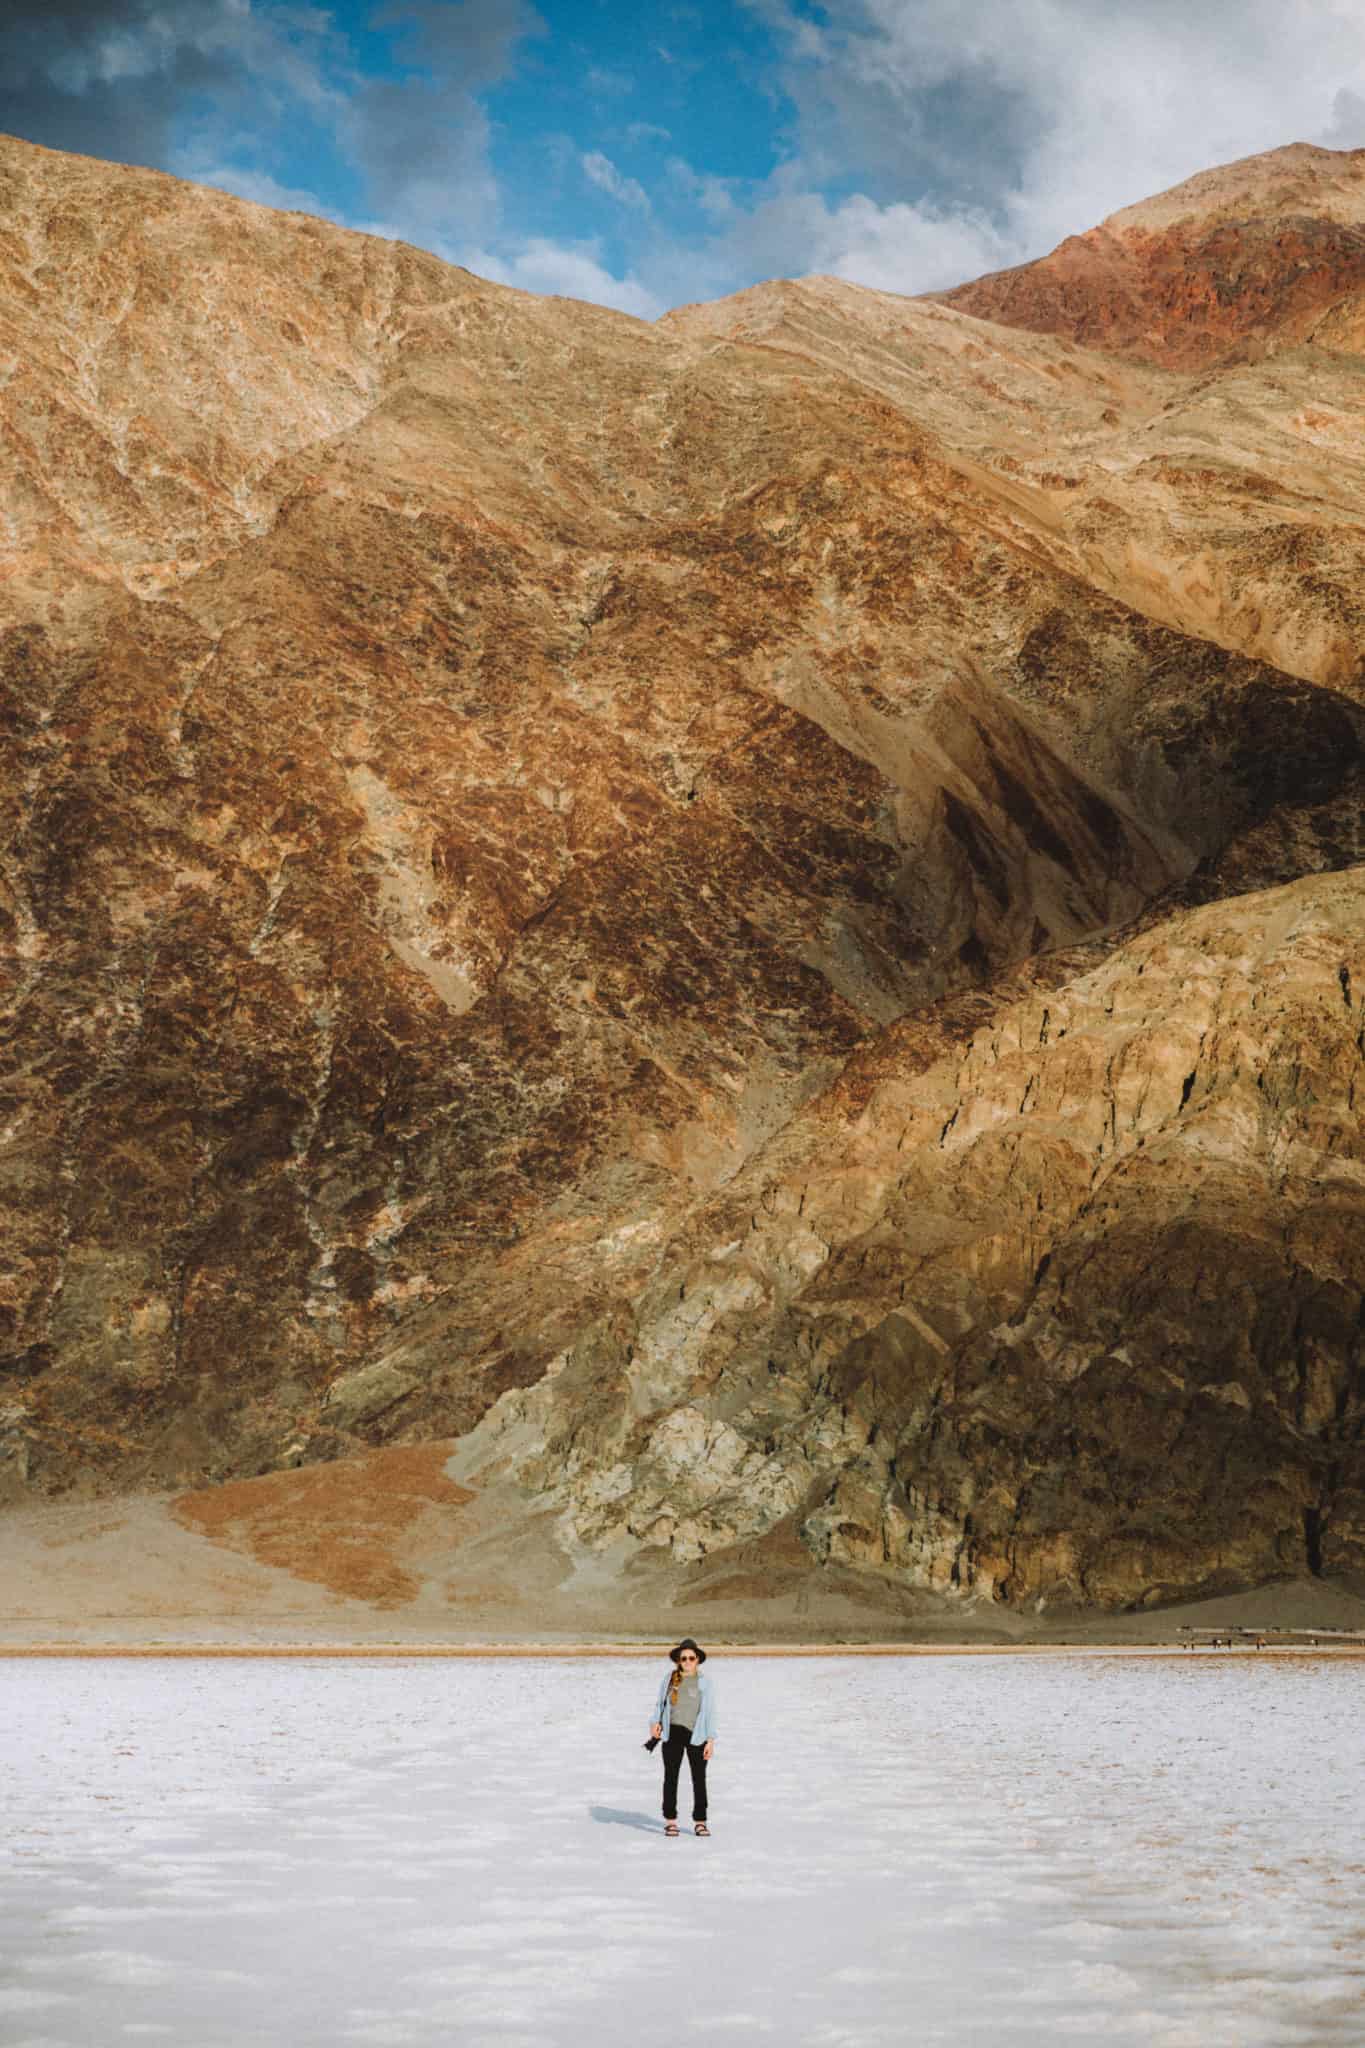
{"x":687,"y":1658}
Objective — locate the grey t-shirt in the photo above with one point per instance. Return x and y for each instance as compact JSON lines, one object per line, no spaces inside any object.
{"x":688,"y":1705}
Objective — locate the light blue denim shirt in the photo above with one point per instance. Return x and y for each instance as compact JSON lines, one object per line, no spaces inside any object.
{"x":704,"y":1727}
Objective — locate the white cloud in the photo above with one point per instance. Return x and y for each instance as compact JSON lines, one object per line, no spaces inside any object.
{"x":599,"y":170}
{"x":791,"y":231}
{"x":569,"y":269}
{"x":989,"y":130}
{"x":715,"y":196}
{"x":882,"y":246}
{"x":257,"y":186}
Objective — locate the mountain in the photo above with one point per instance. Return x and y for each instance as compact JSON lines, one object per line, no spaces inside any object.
{"x":1231,"y":266}
{"x":718,"y":961}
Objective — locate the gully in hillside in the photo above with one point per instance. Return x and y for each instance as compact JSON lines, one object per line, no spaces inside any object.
{"x":685,"y":1719}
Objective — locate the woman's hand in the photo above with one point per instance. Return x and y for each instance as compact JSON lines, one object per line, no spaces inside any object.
{"x":706,"y":1752}
{"x":657,"y":1731}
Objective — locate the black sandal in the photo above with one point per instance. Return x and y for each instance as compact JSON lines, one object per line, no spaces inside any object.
{"x":670,"y":1827}
{"x":701,"y":1828}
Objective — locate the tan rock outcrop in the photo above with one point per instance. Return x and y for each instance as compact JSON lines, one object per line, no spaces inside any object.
{"x":1081,"y":1318}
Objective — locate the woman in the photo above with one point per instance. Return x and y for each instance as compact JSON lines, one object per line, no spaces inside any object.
{"x":685,"y":1717}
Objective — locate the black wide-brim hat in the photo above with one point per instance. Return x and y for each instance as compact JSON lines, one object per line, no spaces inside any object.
{"x":687,"y":1643}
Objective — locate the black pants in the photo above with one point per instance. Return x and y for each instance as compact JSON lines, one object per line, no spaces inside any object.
{"x":679,"y":1740}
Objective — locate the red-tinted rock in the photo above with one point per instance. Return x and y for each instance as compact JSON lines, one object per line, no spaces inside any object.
{"x":1230,"y":266}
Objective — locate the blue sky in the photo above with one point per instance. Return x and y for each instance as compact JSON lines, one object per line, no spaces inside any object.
{"x":645,"y":155}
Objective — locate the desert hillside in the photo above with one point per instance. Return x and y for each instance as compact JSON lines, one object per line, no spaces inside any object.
{"x":722,"y":959}
{"x":1232,"y":266}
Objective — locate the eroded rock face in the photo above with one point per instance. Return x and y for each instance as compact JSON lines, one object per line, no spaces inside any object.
{"x":645,"y":898}
{"x":1058,"y":1295}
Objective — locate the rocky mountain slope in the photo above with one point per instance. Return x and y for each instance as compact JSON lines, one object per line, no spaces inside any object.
{"x":754,"y":923}
{"x":1233,"y":265}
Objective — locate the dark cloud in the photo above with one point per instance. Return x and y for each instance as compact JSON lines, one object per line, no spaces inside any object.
{"x":104,"y":80}
{"x":111,"y":78}
{"x":212,"y":87}
{"x":421,"y":140}
{"x":969,"y":134}
{"x":467,"y":44}
{"x":424,"y":157}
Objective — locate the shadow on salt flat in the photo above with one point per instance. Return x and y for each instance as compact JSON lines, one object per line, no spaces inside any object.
{"x":616,"y":1816}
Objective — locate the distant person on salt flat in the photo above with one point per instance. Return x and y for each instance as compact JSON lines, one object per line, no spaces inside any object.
{"x":685,"y":1719}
